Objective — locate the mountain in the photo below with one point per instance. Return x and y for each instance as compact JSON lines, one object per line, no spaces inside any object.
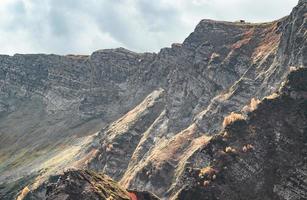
{"x":260,"y":157}
{"x":167,"y":123}
{"x":83,"y":184}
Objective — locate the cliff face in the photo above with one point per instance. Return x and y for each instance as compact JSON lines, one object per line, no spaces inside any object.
{"x":260,"y":157}
{"x":85,"y":185}
{"x":143,"y":119}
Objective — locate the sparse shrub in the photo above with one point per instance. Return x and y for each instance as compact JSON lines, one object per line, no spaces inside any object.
{"x":244,"y":149}
{"x":207,"y":171}
{"x":247,"y":147}
{"x":23,"y":193}
{"x":206,"y":183}
{"x":109,"y":147}
{"x":226,"y":134}
{"x":230,"y":150}
{"x":252,"y":106}
{"x":215,"y":55}
{"x":232,"y":118}
{"x":272,"y":96}
{"x":292,"y":68}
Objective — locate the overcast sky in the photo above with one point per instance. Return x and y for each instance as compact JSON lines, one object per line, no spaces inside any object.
{"x":83,"y":26}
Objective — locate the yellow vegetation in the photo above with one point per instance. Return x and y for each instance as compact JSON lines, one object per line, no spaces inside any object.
{"x":207,"y":171}
{"x":252,"y":106}
{"x":272,"y":96}
{"x":226,"y":134}
{"x":230,"y":150}
{"x":232,"y":118}
{"x":23,"y":193}
{"x":247,"y":148}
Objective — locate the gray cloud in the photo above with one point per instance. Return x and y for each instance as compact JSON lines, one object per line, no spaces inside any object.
{"x":81,"y":27}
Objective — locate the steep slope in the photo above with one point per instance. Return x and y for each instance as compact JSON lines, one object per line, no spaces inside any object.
{"x":121,"y":138}
{"x":84,"y":185}
{"x":140,"y":118}
{"x":270,"y":66}
{"x":262,"y":157}
{"x":78,"y":184}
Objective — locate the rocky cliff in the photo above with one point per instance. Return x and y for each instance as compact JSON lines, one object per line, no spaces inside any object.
{"x":147,"y":120}
{"x":262,"y":156}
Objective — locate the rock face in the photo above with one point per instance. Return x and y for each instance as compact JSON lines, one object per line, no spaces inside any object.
{"x":144,"y":119}
{"x":121,"y":138}
{"x":78,"y":184}
{"x":261,"y":157}
{"x":83,"y":185}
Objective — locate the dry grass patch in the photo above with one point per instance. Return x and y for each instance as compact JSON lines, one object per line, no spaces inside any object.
{"x":230,"y":150}
{"x":272,"y":96}
{"x":252,"y":106}
{"x":23,"y":193}
{"x":247,"y":148}
{"x":232,"y":118}
{"x":207,"y":171}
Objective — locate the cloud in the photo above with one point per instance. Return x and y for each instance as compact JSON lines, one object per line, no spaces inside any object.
{"x":81,"y":27}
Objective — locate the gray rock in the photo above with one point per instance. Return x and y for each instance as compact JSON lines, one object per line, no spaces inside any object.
{"x":141,"y":118}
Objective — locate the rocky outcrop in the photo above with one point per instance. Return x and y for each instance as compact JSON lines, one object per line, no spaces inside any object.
{"x":141,"y":118}
{"x":260,"y":55}
{"x":119,"y":140}
{"x":78,"y":184}
{"x":83,"y":185}
{"x":260,"y":157}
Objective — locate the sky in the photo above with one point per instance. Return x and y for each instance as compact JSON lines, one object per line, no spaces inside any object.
{"x":83,"y":26}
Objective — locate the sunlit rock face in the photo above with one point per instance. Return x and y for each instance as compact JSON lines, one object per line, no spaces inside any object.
{"x":260,"y":157}
{"x":147,"y":120}
{"x":79,"y":184}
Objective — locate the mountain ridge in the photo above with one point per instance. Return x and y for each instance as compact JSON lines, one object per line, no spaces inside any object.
{"x":96,"y":104}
